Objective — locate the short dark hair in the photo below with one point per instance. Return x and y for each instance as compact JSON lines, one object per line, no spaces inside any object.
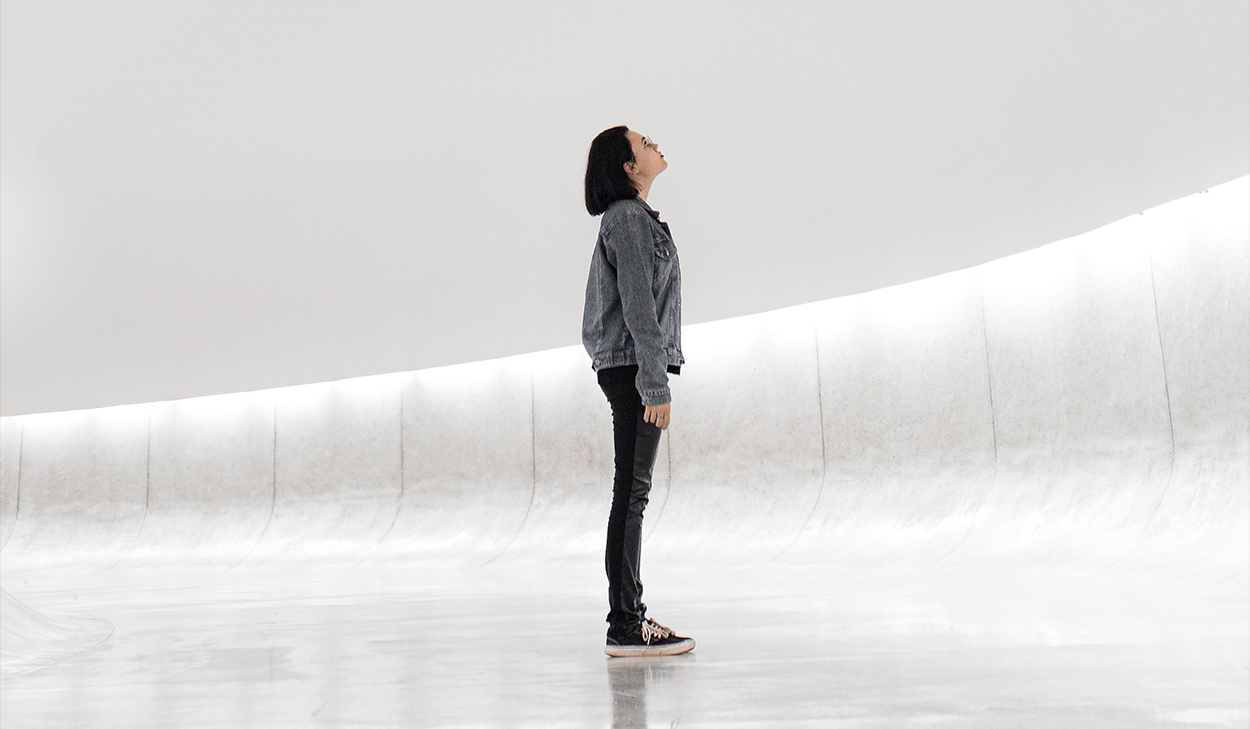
{"x":606,"y":179}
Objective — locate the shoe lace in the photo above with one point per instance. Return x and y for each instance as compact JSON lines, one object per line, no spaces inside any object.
{"x":652,"y":629}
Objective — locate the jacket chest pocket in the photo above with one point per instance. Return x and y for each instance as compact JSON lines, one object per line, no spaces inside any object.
{"x":665,"y":256}
{"x":665,"y":251}
{"x":664,"y":270}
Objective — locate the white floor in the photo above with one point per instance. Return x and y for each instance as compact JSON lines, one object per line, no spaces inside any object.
{"x":521,"y":646}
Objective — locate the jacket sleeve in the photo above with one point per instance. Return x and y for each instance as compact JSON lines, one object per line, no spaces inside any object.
{"x":630,"y":242}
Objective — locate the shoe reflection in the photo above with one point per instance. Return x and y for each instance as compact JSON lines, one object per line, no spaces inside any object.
{"x":631,"y":679}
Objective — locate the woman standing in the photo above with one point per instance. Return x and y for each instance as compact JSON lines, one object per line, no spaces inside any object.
{"x":631,"y":328}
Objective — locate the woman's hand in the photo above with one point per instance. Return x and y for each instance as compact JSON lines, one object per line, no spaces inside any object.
{"x":657,"y":414}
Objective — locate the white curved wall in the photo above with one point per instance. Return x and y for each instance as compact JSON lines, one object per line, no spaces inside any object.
{"x":193,"y":203}
{"x":1082,"y":406}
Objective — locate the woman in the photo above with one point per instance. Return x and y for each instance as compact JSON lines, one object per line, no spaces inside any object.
{"x":631,"y":328}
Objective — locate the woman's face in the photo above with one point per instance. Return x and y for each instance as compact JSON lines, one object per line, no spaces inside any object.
{"x":648,"y":162}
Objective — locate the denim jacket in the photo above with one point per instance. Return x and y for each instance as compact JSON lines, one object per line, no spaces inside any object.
{"x":633,"y":298}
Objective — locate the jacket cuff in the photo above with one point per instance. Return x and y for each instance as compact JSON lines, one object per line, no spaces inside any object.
{"x":656,"y":397}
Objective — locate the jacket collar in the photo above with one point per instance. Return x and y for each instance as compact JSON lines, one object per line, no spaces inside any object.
{"x":653,"y":213}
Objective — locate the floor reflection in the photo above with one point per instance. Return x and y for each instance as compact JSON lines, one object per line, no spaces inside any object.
{"x":631,"y":679}
{"x":315,"y":645}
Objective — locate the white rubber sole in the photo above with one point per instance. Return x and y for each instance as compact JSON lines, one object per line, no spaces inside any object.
{"x":672,"y":649}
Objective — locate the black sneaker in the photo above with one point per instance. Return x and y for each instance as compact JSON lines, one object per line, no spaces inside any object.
{"x":652,"y":639}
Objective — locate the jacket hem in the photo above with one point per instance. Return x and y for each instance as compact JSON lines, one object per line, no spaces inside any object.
{"x":623,"y":357}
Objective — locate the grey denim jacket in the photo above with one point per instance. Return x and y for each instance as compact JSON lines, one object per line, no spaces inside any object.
{"x":633,"y":298}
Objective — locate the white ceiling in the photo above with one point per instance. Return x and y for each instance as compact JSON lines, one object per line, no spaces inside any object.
{"x":204,"y":197}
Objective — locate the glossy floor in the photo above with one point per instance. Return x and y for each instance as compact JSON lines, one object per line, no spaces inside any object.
{"x":521,"y":646}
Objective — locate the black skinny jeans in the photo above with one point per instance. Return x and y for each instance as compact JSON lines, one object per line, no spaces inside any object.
{"x":636,"y":442}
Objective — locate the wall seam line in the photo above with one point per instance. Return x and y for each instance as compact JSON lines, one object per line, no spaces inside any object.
{"x":533,"y":474}
{"x":399,"y":500}
{"x":1167,"y":396}
{"x":273,"y":483}
{"x":17,"y":506}
{"x":989,"y":388}
{"x":824,"y":462}
{"x":1167,"y":399}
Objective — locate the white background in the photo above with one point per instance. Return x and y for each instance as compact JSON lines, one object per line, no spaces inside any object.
{"x":208,"y":197}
